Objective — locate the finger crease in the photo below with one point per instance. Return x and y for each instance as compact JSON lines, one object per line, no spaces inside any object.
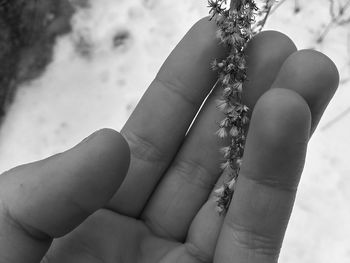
{"x":197,"y":253}
{"x":251,"y":240}
{"x":178,"y":90}
{"x":26,"y":229}
{"x":157,"y":228}
{"x":143,"y":149}
{"x":195,"y":173}
{"x":274,"y":183}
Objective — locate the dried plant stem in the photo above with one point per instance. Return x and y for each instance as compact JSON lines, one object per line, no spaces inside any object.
{"x":325,"y":31}
{"x":235,"y":29}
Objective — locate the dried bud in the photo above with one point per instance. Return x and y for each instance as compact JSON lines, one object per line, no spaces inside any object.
{"x":227,"y":92}
{"x":225,"y":123}
{"x":221,"y":105}
{"x":222,"y":133}
{"x":234,"y":131}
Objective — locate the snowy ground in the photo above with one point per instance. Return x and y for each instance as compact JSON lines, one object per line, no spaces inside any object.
{"x":92,"y":84}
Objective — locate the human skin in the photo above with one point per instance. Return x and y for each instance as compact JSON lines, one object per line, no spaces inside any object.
{"x":88,"y":205}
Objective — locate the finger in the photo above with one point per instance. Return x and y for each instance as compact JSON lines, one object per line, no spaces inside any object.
{"x":314,"y":76}
{"x":304,"y":72}
{"x":254,"y":227}
{"x":190,"y":179}
{"x":49,"y":198}
{"x":160,"y":121}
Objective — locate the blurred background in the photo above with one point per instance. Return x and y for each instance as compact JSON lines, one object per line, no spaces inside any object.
{"x":68,"y":68}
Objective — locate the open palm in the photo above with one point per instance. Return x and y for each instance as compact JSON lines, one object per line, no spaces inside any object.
{"x":164,"y":210}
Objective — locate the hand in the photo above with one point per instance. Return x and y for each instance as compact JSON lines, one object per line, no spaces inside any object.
{"x":161,"y":211}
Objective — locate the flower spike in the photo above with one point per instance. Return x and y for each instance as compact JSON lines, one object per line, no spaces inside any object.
{"x":235,"y":29}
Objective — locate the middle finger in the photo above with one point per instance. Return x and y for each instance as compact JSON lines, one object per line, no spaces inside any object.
{"x":190,"y":179}
{"x":158,"y":125}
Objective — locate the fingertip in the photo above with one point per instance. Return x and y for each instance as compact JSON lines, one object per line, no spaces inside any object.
{"x":202,"y":39}
{"x":266,"y":53}
{"x":319,"y":64}
{"x":277,"y":139}
{"x":314,"y":76}
{"x":189,"y":63}
{"x":204,"y":35}
{"x":105,"y":154}
{"x":280,"y":114}
{"x":273,"y":40}
{"x":205,"y":24}
{"x":205,"y":30}
{"x":114,"y":147}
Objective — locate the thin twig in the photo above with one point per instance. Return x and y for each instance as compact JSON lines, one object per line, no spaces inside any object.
{"x":263,"y":22}
{"x":335,"y":120}
{"x":325,"y":31}
{"x":336,"y":19}
{"x":277,"y":5}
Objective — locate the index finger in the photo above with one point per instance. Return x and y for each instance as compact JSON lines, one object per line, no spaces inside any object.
{"x":160,"y":121}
